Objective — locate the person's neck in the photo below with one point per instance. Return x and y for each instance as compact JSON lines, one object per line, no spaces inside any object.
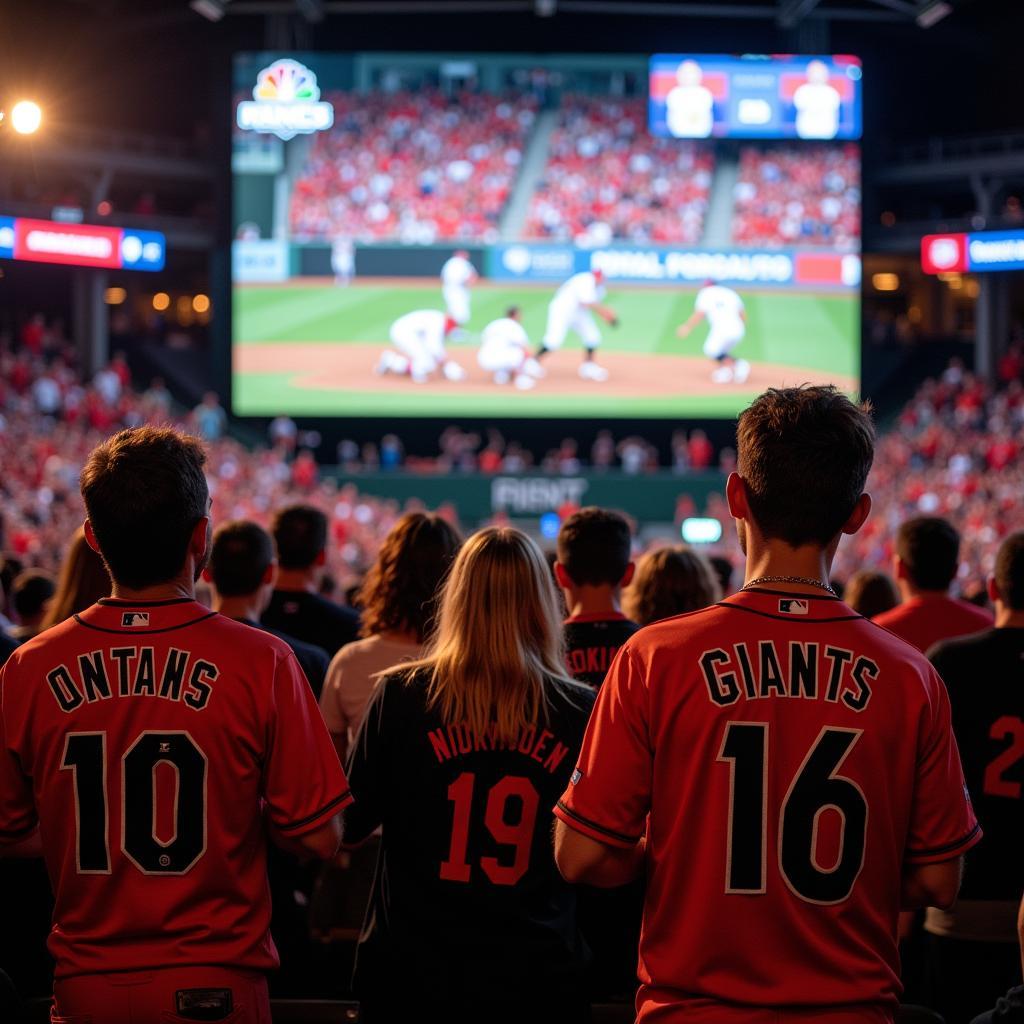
{"x":296,"y":579}
{"x":909,"y":591}
{"x":593,"y":601}
{"x":246,"y":606}
{"x":777,"y":558}
{"x":1009,"y":618}
{"x":173,"y":590}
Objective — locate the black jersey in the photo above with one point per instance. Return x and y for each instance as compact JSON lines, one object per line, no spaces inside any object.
{"x":984,"y":674}
{"x":312,"y":619}
{"x":591,"y":643}
{"x":468,"y":912}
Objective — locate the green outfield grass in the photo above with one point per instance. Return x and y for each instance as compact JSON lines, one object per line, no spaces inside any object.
{"x":820,"y":332}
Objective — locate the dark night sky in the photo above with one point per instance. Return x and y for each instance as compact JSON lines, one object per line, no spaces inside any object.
{"x":153,"y":65}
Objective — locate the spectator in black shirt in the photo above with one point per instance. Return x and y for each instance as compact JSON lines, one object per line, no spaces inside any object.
{"x":972,"y":952}
{"x":458,"y":760}
{"x":242,"y":572}
{"x":593,"y":566}
{"x":296,"y":607}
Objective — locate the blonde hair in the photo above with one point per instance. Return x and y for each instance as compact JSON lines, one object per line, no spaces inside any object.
{"x":670,"y":581}
{"x":498,"y":646}
{"x":83,"y":581}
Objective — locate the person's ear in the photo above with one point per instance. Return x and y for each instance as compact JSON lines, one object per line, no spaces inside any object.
{"x":200,"y":539}
{"x":564,"y":580}
{"x":627,"y":576}
{"x":993,"y":591}
{"x":859,"y":515}
{"x":208,"y":576}
{"x":90,"y":537}
{"x":736,"y":496}
{"x":269,"y":575}
{"x":321,"y":559}
{"x":899,"y":567}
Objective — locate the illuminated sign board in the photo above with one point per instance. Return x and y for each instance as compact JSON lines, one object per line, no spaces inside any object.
{"x":975,"y":252}
{"x":81,"y":245}
{"x":285,"y":102}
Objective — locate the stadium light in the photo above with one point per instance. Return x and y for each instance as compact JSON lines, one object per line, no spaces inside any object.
{"x":211,"y":10}
{"x":26,"y":117}
{"x":932,"y":12}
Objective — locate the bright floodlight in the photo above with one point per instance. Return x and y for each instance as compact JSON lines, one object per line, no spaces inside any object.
{"x":26,"y":117}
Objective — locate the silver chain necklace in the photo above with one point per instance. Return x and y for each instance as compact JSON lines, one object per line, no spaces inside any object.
{"x":790,"y":579}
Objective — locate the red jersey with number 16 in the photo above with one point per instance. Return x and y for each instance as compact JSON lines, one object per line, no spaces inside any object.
{"x":792,"y":758}
{"x":149,"y":741}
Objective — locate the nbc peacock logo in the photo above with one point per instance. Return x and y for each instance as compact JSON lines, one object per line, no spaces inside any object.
{"x":286,"y":102}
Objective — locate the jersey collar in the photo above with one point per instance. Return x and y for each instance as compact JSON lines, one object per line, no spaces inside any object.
{"x":791,"y":606}
{"x":134,"y":618}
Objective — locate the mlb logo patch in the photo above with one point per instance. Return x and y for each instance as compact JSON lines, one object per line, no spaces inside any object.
{"x":576,"y":776}
{"x":791,"y":606}
{"x":135,"y":619}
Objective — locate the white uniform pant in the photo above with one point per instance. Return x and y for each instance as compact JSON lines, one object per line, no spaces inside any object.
{"x":721,"y":343}
{"x":561,"y":321}
{"x":456,"y":300}
{"x":495,"y":357}
{"x":423,"y":358}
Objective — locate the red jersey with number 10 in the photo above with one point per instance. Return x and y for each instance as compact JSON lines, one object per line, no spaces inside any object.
{"x":149,"y":741}
{"x":792,"y":758}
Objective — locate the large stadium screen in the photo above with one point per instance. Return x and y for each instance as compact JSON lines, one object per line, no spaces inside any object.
{"x":498,"y":236}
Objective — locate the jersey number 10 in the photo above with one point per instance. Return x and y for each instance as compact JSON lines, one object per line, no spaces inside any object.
{"x":815,"y":789}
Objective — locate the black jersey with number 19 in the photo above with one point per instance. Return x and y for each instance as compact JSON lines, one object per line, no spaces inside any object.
{"x":468,"y":910}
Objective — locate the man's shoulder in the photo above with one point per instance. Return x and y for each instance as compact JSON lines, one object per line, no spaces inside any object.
{"x":303,"y":651}
{"x":967,"y":649}
{"x":680,"y":631}
{"x":252,"y":637}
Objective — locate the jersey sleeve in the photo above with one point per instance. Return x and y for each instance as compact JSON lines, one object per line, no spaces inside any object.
{"x":368,"y":769}
{"x":942,"y":824}
{"x":609,"y":793}
{"x":304,"y":785}
{"x":17,"y":808}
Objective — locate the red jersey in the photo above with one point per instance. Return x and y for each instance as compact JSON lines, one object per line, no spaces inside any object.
{"x":925,"y":620}
{"x":792,"y":758}
{"x":149,"y":740}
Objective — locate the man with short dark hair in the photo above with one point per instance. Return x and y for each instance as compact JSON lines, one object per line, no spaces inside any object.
{"x":972,"y":954}
{"x":296,"y":608}
{"x":31,"y":592}
{"x":925,"y":564}
{"x":242,"y":570}
{"x":594,"y":564}
{"x":155,"y":744}
{"x":783,"y":770}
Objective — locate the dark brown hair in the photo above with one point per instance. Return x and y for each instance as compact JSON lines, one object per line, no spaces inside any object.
{"x":400,"y":591}
{"x":145,"y":493}
{"x":869,"y":593}
{"x":241,"y":553}
{"x":929,"y":548}
{"x":300,"y":534}
{"x":804,"y":454}
{"x":83,"y":581}
{"x":670,"y":581}
{"x":1009,"y":571}
{"x":594,"y":546}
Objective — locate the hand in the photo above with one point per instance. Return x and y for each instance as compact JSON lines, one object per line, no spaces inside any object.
{"x":682,"y":331}
{"x":613,"y":322}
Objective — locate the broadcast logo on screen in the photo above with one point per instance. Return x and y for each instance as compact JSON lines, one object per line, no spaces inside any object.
{"x":286,"y":102}
{"x":944,"y":254}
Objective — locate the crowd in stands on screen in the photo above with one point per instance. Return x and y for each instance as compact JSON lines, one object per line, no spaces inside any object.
{"x":798,"y":195}
{"x":418,"y":167}
{"x":606,"y":179}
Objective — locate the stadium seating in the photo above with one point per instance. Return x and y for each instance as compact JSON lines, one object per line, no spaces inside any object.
{"x":606,"y":178}
{"x":417,"y":167}
{"x":804,"y":195}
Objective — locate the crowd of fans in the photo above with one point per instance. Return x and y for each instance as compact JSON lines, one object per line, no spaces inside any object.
{"x":418,"y":167}
{"x":798,"y":195}
{"x":606,"y":179}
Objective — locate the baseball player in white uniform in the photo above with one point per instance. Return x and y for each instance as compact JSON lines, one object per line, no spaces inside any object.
{"x":457,"y":275}
{"x":419,"y":340}
{"x":505,"y":351}
{"x":727,"y":324}
{"x":817,"y":104}
{"x":690,"y":106}
{"x":572,"y":309}
{"x":343,"y":260}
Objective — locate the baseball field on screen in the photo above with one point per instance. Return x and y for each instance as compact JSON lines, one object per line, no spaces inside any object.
{"x":309,"y":347}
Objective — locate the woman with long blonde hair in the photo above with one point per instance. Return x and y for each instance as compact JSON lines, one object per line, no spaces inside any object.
{"x":460,"y":758}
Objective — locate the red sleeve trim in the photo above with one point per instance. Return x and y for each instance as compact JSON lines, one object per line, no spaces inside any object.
{"x":949,"y":851}
{"x":591,"y":829}
{"x":307,"y":824}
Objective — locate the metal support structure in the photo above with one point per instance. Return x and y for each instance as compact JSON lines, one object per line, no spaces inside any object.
{"x":990,"y":307}
{"x":91,"y":319}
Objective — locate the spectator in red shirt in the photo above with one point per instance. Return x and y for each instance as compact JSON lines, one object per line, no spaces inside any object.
{"x":926,"y":562}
